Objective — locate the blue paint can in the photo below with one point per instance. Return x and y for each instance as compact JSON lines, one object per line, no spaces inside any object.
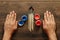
{"x":20,"y":23}
{"x":24,"y":18}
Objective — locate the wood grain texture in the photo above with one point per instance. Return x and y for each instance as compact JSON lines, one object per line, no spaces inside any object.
{"x":33,"y":0}
{"x":21,"y":7}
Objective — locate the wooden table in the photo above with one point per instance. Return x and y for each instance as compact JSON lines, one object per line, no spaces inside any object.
{"x":21,"y":7}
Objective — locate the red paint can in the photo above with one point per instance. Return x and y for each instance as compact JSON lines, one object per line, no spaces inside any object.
{"x":38,"y":22}
{"x":37,"y":16}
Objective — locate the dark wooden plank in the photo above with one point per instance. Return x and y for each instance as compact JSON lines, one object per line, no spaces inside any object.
{"x":33,"y":0}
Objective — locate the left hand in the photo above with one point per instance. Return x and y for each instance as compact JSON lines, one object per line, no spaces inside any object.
{"x":10,"y":24}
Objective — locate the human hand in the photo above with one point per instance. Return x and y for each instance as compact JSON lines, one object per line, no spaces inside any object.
{"x":49,"y":25}
{"x":10,"y":24}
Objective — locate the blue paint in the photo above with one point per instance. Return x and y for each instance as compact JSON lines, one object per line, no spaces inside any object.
{"x":24,"y":18}
{"x":20,"y":23}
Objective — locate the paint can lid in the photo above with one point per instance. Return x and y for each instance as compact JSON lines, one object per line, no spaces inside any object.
{"x":37,"y":16}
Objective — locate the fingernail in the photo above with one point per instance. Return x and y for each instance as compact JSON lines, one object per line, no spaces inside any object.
{"x":10,"y":12}
{"x":13,"y":11}
{"x":47,"y":11}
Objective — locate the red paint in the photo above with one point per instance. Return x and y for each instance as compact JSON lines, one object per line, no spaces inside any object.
{"x":37,"y":16}
{"x":38,"y":23}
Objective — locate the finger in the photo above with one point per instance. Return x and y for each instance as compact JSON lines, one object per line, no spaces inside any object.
{"x":16,"y":24}
{"x":44,"y":24}
{"x":45,"y":17}
{"x":10,"y":15}
{"x":52,"y":17}
{"x":47,"y":13}
{"x":14,"y":16}
{"x":7,"y":17}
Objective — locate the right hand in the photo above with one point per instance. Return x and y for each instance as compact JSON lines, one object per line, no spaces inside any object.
{"x":49,"y":24}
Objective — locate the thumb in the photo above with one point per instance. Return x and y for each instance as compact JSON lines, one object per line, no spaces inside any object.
{"x":16,"y":23}
{"x":43,"y":23}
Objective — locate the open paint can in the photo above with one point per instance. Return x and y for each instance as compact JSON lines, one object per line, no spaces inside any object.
{"x":24,"y":18}
{"x":20,"y":23}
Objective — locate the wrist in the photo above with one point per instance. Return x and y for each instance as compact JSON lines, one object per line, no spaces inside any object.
{"x":7,"y":36}
{"x":51,"y":33}
{"x":8,"y":32}
{"x":52,"y":36}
